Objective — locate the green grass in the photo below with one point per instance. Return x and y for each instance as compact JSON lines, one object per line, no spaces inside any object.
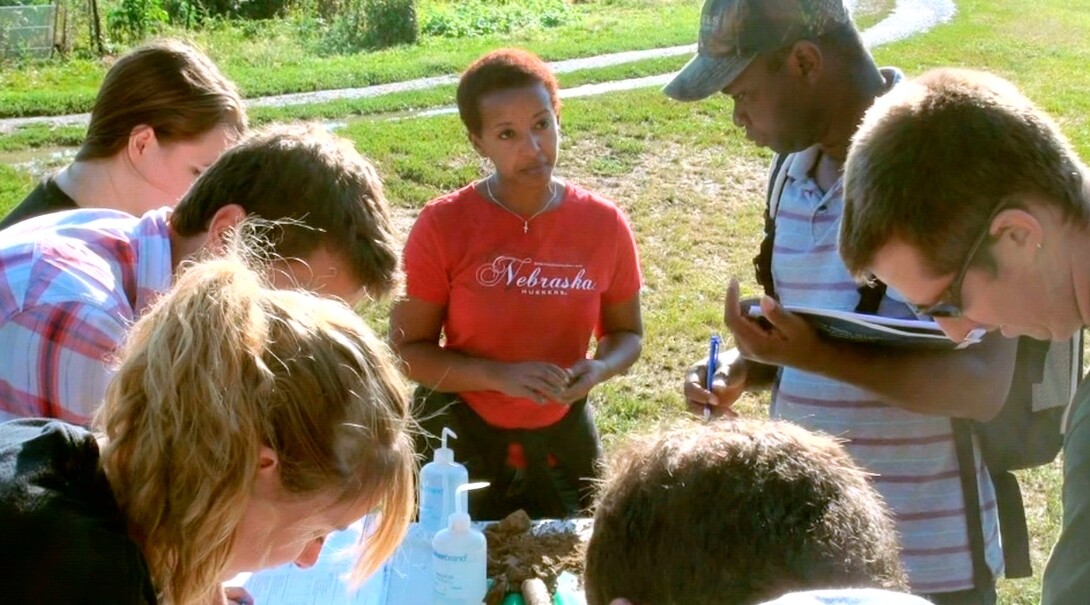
{"x":14,"y":185}
{"x":39,"y":135}
{"x":1046,"y":55}
{"x":693,"y":188}
{"x":274,"y":59}
{"x":442,"y":96}
{"x":870,"y":12}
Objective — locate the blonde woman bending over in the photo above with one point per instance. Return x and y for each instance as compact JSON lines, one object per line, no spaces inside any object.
{"x":243,"y":425}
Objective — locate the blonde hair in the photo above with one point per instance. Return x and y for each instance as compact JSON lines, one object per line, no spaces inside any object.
{"x":223,"y":366}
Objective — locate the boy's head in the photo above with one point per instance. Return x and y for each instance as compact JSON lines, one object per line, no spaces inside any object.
{"x":937,"y":155}
{"x":736,"y":513}
{"x":949,"y":187}
{"x":333,"y":197}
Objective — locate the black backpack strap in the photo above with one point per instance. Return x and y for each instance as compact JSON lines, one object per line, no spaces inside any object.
{"x":762,"y":263}
{"x":963,"y":444}
{"x":1013,"y":527}
{"x":870,"y":297}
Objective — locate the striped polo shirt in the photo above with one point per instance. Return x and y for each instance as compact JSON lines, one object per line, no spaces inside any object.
{"x":911,"y":455}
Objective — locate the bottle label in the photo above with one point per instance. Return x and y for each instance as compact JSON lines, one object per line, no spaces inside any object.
{"x":459,"y":579}
{"x":438,"y":493}
{"x":431,"y":507}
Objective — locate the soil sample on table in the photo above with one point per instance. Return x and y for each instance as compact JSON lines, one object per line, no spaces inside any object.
{"x":518,"y":551}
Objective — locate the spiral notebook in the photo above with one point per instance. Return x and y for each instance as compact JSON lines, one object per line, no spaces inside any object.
{"x":874,"y":329}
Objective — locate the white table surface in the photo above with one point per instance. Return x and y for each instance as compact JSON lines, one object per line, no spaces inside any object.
{"x":405,"y":579}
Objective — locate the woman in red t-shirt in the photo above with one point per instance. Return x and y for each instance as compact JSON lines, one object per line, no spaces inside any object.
{"x":508,"y":279}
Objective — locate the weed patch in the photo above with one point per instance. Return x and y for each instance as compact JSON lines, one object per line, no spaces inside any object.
{"x":472,"y":18}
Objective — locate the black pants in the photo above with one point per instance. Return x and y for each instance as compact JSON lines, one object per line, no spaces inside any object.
{"x":563,"y":490}
{"x":973,"y":596}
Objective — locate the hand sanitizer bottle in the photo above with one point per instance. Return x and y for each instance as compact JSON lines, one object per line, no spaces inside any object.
{"x":439,"y":482}
{"x":459,"y":558}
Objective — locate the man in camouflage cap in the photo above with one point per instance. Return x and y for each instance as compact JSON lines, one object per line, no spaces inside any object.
{"x":801,"y":79}
{"x":734,"y":32}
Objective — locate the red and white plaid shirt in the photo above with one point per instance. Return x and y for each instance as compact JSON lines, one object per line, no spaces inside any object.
{"x":71,"y":285}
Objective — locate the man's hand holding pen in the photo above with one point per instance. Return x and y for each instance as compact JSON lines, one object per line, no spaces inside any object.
{"x":727,"y":384}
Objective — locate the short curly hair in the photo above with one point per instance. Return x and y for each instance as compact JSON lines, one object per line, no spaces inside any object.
{"x":502,"y":69}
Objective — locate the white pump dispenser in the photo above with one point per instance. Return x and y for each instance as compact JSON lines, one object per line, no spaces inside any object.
{"x":439,"y":482}
{"x":459,"y":558}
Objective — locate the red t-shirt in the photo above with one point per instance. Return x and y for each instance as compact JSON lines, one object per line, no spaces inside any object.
{"x":514,"y":296}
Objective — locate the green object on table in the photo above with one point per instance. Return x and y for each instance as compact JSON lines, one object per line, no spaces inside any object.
{"x":563,"y":597}
{"x":567,"y":591}
{"x":513,"y":598}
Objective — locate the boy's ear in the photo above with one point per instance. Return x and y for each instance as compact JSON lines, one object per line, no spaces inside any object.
{"x":1019,"y":228}
{"x":225,"y":219}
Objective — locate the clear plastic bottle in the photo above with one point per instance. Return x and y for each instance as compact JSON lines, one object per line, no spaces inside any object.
{"x":439,"y":482}
{"x":460,"y":558}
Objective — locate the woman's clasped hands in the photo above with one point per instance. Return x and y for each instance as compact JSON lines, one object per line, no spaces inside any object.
{"x":544,"y":382}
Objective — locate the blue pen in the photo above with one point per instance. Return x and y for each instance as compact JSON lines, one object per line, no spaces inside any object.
{"x":713,"y":362}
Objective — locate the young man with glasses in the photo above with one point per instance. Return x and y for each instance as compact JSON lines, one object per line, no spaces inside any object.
{"x":968,"y":199}
{"x":801,"y":80}
{"x":948,"y":305}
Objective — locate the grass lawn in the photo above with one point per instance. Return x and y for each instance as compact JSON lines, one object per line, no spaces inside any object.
{"x":274,"y":58}
{"x":693,"y":188}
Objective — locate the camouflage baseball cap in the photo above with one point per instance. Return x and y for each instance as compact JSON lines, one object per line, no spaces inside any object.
{"x":733,"y":32}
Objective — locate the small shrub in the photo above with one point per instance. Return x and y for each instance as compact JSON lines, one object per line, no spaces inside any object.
{"x":134,"y":20}
{"x":389,"y":22}
{"x":342,"y":34}
{"x":473,"y":18}
{"x":359,"y":24}
{"x":186,"y":13}
{"x":259,"y":9}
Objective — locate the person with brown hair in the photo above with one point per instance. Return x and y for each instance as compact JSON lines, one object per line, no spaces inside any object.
{"x":736,"y":513}
{"x":164,"y":113}
{"x":72,"y":283}
{"x":243,"y":425}
{"x":965,"y":196}
{"x":508,"y":279}
{"x":800,"y":79}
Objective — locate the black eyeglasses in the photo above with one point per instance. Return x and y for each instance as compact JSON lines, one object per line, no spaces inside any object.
{"x":949,"y":306}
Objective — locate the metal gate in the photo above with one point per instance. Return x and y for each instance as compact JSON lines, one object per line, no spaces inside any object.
{"x":28,"y":30}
